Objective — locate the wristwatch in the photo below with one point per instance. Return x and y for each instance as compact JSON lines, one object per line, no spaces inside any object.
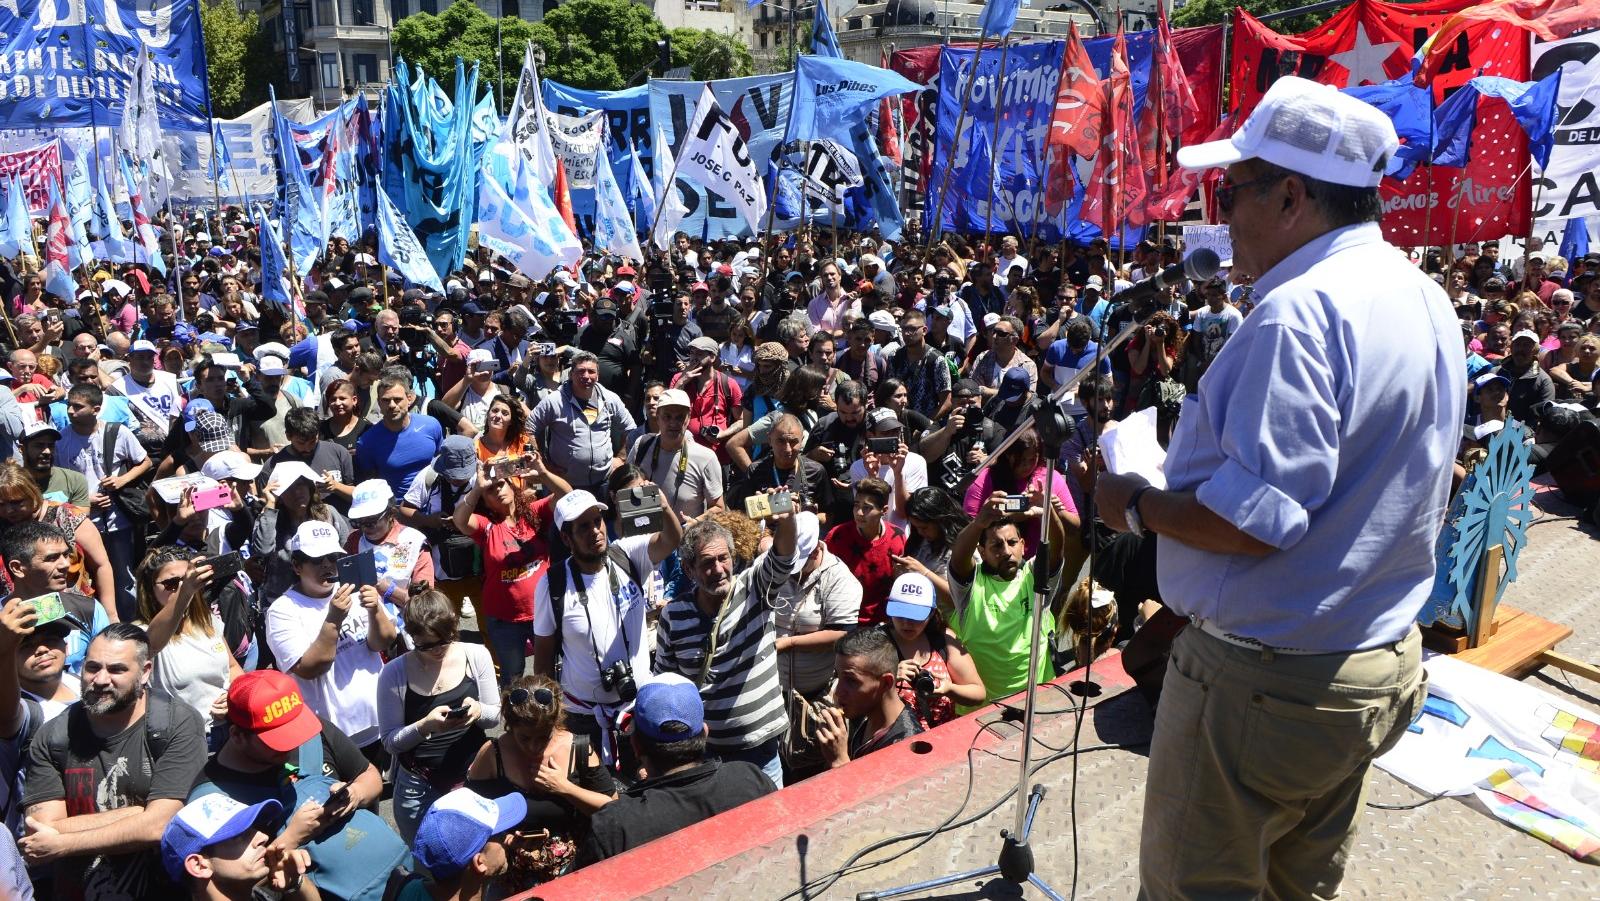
{"x":1131,"y":514}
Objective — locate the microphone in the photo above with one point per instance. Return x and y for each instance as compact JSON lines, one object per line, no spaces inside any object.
{"x":1197,"y":266}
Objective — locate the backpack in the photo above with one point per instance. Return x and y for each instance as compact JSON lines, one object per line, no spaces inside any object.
{"x":556,"y":579}
{"x":131,"y":497}
{"x":157,"y":732}
{"x":352,"y":863}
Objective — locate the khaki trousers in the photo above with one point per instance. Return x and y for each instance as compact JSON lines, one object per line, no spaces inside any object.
{"x":1259,"y":761}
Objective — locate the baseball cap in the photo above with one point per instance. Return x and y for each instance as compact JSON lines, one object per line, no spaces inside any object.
{"x":705,"y":345}
{"x":212,"y":430}
{"x":807,"y":531}
{"x":1014,"y":384}
{"x":471,"y":308}
{"x":370,"y":498}
{"x":883,"y":320}
{"x":668,"y":709}
{"x":1531,"y":336}
{"x":605,"y":307}
{"x":290,"y":471}
{"x":869,"y":259}
{"x":316,"y":539}
{"x":479,"y":355}
{"x":272,"y":365}
{"x":965,"y":388}
{"x":626,"y":271}
{"x":36,"y":429}
{"x":1490,"y":377}
{"x":626,"y":287}
{"x":574,"y":504}
{"x":142,"y":346}
{"x":673,"y":397}
{"x":208,"y":821}
{"x":882,"y":418}
{"x":911,"y":597}
{"x":1307,"y":127}
{"x":1539,"y":255}
{"x":989,"y":319}
{"x":699,"y":286}
{"x":944,"y":310}
{"x":1095,"y":283}
{"x":459,"y":824}
{"x":231,"y":464}
{"x":267,"y":704}
{"x":457,"y":459}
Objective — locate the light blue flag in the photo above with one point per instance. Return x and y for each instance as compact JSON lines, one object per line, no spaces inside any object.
{"x":147,"y":246}
{"x":274,"y":268}
{"x":521,"y":223}
{"x":998,"y":17}
{"x":644,"y":193}
{"x":79,"y":196}
{"x":823,"y":40}
{"x":17,"y":235}
{"x":302,"y":207}
{"x":117,"y":247}
{"x":613,"y":226}
{"x":398,"y":247}
{"x":831,"y":96}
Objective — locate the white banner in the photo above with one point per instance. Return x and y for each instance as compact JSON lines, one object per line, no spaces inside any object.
{"x":1571,"y":185}
{"x":831,"y":170}
{"x":715,"y":157}
{"x":248,"y":173}
{"x":1522,"y":754}
{"x":1212,"y":236}
{"x":576,"y":140}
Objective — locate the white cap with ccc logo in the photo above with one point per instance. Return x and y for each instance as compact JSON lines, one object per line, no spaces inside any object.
{"x":1309,"y":128}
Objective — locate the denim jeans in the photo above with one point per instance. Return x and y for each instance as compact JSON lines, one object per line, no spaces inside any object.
{"x":764,"y":755}
{"x":119,"y":550}
{"x":413,"y":795}
{"x":509,"y":641}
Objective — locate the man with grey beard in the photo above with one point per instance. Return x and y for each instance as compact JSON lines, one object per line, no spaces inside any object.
{"x":105,"y":777}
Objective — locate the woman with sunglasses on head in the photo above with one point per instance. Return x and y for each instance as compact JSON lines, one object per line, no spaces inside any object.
{"x":192,"y":663}
{"x":434,"y":704}
{"x":504,"y":432}
{"x":559,"y":776}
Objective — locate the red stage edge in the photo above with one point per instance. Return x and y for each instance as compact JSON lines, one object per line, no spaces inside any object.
{"x":796,"y":808}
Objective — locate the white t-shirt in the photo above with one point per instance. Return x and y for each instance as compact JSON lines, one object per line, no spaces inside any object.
{"x":347,"y":694}
{"x":193,"y":669}
{"x":916,"y":475}
{"x":162,"y":399}
{"x":475,"y":406}
{"x":580,"y":678}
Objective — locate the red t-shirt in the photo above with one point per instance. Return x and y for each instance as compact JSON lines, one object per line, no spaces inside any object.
{"x":515,"y":557}
{"x":870,"y":562}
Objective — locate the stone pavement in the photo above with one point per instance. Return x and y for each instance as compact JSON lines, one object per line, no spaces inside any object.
{"x":1441,"y":850}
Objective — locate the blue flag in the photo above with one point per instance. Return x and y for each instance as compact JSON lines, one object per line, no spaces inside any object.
{"x":17,"y":235}
{"x":1411,"y":109}
{"x":1575,"y":239}
{"x":1533,"y":104}
{"x":614,"y":231}
{"x":823,"y":40}
{"x":998,"y":17}
{"x":398,"y":247}
{"x":832,"y":95}
{"x":274,"y":268}
{"x":301,"y":207}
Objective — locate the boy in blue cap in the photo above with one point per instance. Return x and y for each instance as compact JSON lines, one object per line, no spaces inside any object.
{"x":459,"y":844}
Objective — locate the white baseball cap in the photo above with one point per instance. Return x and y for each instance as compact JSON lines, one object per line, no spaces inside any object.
{"x":911,"y":597}
{"x":207,"y":821}
{"x":288,"y":472}
{"x":316,"y":539}
{"x":1310,"y":128}
{"x":479,"y":355}
{"x":807,"y":532}
{"x":142,"y":346}
{"x":231,"y":464}
{"x":370,"y":498}
{"x":574,"y":504}
{"x":1525,"y":333}
{"x":674,"y":397}
{"x":272,"y":365}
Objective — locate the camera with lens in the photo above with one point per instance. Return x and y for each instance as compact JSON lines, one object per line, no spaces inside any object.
{"x":413,"y":316}
{"x":562,"y":326}
{"x":924,"y":683}
{"x":661,"y":307}
{"x":839,"y":463}
{"x":618,"y":677}
{"x":658,"y":276}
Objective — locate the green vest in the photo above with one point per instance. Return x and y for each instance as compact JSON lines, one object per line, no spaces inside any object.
{"x":995,"y":626}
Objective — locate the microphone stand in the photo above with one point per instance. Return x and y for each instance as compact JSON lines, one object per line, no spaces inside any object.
{"x":1015,"y":863}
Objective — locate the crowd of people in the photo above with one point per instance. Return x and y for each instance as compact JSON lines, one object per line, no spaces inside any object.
{"x":723,"y":519}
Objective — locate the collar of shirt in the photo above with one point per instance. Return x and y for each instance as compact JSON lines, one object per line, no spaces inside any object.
{"x":1315,"y":250}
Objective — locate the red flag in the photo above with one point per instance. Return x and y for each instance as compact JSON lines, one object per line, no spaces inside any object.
{"x":561,"y":194}
{"x":1169,"y":202}
{"x":1075,"y":124}
{"x":1169,"y":105}
{"x":1549,"y":19}
{"x":1117,"y":190}
{"x":58,"y":235}
{"x":888,"y":134}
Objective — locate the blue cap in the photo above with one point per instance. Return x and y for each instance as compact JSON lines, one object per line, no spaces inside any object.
{"x":204,"y":822}
{"x":669,"y":709}
{"x":1014,"y":384}
{"x":459,"y":824}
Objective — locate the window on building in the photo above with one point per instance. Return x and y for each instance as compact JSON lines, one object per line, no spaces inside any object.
{"x":325,"y":13}
{"x":511,"y":9}
{"x":362,"y":12}
{"x":363,"y":69}
{"x":330,"y":71}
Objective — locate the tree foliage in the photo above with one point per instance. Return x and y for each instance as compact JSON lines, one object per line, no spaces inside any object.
{"x":596,"y":44}
{"x":710,"y":54}
{"x":239,"y":58}
{"x":1210,"y":12}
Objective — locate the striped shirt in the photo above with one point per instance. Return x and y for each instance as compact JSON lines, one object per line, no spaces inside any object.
{"x":744,"y":705}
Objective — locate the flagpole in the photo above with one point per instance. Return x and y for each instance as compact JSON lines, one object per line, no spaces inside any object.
{"x":955,"y":140}
{"x":995,"y":147}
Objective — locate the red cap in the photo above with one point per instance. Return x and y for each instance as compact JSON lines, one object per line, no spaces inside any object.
{"x":699,"y":286}
{"x":625,"y":270}
{"x":725,"y":269}
{"x":268,"y":703}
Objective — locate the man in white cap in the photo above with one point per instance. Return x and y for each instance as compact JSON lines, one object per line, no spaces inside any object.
{"x":714,"y":396}
{"x":404,"y":564}
{"x":154,"y":394}
{"x":1531,"y":385}
{"x":817,"y":608}
{"x":217,"y":848}
{"x":689,"y":475}
{"x":1305,"y":489}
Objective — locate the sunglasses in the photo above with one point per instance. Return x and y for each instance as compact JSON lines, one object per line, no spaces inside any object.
{"x":432,"y":646}
{"x":171,"y":584}
{"x":367,"y":522}
{"x":1228,"y":189}
{"x":544,"y":697}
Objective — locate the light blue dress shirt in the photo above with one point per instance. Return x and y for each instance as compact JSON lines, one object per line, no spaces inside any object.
{"x":1326,"y":428}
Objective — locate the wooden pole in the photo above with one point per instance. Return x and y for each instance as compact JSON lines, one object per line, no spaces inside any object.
{"x":955,"y":142}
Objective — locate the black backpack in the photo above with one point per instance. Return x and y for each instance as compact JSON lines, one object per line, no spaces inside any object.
{"x":158,"y":722}
{"x":556,"y":580}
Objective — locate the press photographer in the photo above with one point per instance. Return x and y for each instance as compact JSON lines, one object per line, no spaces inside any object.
{"x":957,"y":448}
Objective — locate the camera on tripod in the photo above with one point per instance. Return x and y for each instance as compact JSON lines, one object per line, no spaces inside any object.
{"x":618,"y":678}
